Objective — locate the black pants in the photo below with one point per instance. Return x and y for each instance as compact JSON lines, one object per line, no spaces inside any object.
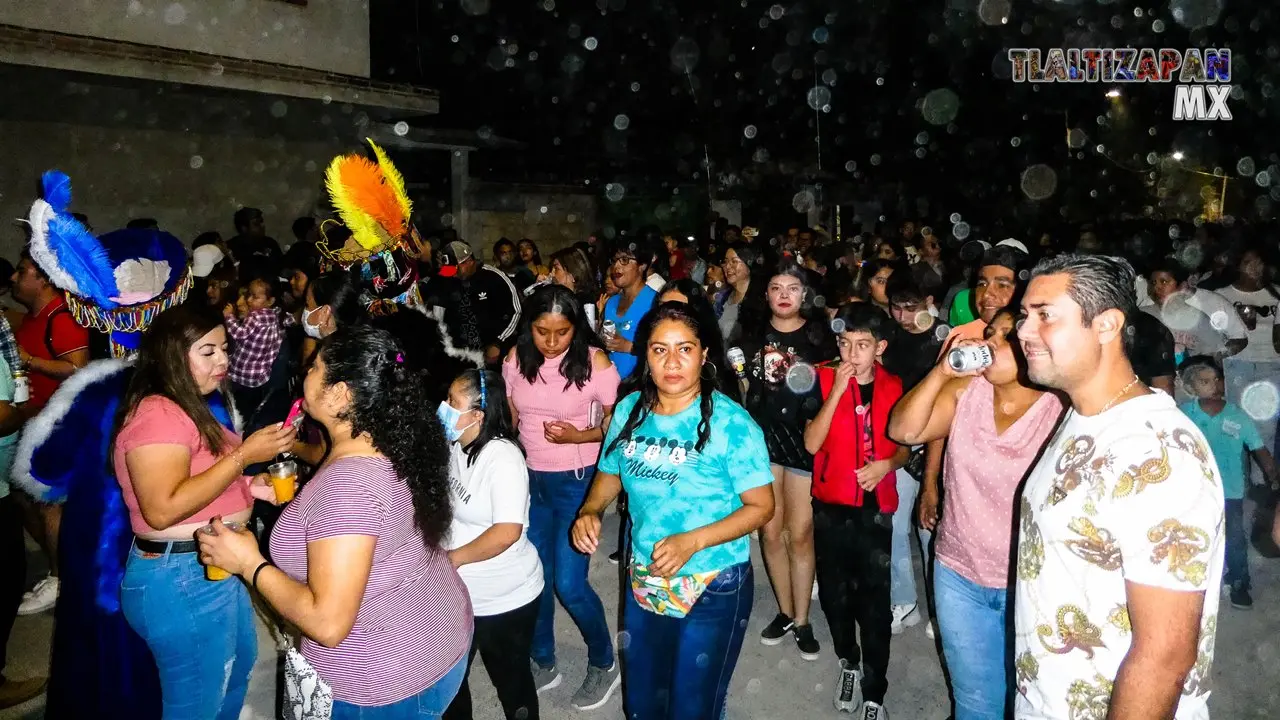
{"x":852,"y":547}
{"x":13,"y":578}
{"x":504,"y":642}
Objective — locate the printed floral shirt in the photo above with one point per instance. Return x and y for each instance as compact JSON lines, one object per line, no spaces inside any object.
{"x":1132,"y":494}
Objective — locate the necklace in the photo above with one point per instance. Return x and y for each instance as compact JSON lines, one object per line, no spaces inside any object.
{"x":1120,"y":394}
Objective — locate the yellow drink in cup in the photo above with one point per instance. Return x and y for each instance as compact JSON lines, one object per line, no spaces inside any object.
{"x":213,"y":572}
{"x":284,"y":479}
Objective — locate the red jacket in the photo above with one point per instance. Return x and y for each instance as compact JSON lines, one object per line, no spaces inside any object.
{"x":842,"y":453}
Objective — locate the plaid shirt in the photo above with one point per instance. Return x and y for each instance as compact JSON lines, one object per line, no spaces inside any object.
{"x":8,"y":344}
{"x":257,"y":343}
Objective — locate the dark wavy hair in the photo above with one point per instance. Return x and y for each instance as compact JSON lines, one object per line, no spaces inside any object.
{"x":576,"y":365}
{"x":388,"y":401}
{"x":491,"y":399}
{"x":339,"y":290}
{"x":162,"y":369}
{"x":687,"y":316}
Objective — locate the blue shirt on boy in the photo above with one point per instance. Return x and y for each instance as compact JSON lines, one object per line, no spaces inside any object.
{"x":673,"y":488}
{"x":1229,"y":433}
{"x":627,"y":324}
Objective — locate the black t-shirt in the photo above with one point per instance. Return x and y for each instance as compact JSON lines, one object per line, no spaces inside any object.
{"x":1150,"y":347}
{"x":911,"y":356}
{"x":783,"y":392}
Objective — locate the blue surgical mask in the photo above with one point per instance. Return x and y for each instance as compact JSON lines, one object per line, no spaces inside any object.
{"x":449,"y":417}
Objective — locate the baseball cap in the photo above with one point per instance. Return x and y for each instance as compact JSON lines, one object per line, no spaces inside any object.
{"x":205,"y":259}
{"x":453,"y":255}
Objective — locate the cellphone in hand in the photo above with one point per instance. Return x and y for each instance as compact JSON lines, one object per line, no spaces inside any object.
{"x":295,"y":414}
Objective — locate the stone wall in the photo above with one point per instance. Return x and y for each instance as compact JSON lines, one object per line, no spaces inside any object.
{"x":329,"y":35}
{"x":552,"y":216}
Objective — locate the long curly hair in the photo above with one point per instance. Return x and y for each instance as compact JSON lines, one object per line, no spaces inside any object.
{"x":388,"y":401}
{"x":690,"y":318}
{"x":576,"y":365}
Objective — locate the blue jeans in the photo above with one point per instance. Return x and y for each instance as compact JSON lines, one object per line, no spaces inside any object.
{"x":1237,"y":574}
{"x":201,"y":633}
{"x":429,"y":703}
{"x":680,"y":668}
{"x":554,"y":499}
{"x":973,"y":627}
{"x":902,"y":574}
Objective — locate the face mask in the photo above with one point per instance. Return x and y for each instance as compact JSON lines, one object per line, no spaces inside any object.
{"x":449,"y":417}
{"x":307,"y":327}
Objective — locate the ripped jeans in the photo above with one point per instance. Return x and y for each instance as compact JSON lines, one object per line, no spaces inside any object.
{"x":200,"y":631}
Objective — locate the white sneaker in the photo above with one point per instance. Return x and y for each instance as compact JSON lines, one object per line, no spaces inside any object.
{"x":904,"y":616}
{"x":930,"y":632}
{"x":848,"y":688}
{"x":42,"y":597}
{"x":874,"y":711}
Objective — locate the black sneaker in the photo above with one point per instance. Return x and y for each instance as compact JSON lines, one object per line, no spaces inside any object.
{"x":805,"y":640}
{"x":615,"y":556}
{"x":776,"y":630}
{"x":1241,"y":599}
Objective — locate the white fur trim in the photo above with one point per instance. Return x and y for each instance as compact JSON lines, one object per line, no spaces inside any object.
{"x":475,"y":357}
{"x":43,"y":255}
{"x":38,"y":429}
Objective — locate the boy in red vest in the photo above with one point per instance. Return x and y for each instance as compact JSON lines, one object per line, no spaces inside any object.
{"x":854,"y":497}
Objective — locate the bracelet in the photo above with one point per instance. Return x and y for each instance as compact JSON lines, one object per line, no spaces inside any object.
{"x":254,"y":583}
{"x":238,"y":457}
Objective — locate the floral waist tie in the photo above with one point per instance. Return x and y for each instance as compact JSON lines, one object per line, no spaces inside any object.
{"x":673,"y":596}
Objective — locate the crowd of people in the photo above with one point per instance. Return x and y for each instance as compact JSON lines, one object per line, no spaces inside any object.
{"x":1065,"y":441}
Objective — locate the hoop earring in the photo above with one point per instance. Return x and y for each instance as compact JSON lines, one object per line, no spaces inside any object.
{"x":715,"y":371}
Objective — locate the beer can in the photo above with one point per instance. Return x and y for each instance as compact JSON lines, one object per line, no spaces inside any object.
{"x":969,"y":358}
{"x":21,"y":387}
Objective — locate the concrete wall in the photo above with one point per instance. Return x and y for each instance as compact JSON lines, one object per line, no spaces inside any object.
{"x":552,"y":217}
{"x":189,"y":182}
{"x":330,"y":35}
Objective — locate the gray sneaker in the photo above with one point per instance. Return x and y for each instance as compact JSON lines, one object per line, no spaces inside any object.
{"x":546,"y":678}
{"x":598,"y":687}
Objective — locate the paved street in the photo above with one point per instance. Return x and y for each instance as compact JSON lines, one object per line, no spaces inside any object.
{"x":775,"y":683}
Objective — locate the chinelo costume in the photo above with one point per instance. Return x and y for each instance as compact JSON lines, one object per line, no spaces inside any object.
{"x":117,"y":284}
{"x":377,"y":242}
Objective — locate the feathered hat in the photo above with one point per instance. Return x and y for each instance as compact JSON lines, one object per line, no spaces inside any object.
{"x":382,"y":246}
{"x":117,"y":283}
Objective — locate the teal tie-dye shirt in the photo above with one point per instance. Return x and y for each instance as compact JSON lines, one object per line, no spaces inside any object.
{"x":673,"y":488}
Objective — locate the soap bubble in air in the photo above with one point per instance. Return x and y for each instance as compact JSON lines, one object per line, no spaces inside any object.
{"x":175,"y":14}
{"x":1261,"y":400}
{"x":614,"y":191}
{"x":819,"y":97}
{"x":401,"y":128}
{"x":801,"y":378}
{"x":940,"y":106}
{"x":621,"y":122}
{"x":1039,"y":182}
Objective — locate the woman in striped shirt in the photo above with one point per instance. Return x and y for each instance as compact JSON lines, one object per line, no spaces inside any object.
{"x":387,"y":621}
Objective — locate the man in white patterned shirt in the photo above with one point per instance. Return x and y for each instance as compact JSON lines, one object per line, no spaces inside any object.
{"x":1120,"y":546}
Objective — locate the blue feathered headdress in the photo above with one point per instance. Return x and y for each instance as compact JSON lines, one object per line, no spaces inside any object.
{"x":65,"y":250}
{"x":116,"y":284}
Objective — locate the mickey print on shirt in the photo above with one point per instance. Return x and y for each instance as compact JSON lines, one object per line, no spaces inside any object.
{"x":657,"y":458}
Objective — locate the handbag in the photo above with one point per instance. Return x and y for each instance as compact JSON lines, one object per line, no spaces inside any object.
{"x":307,"y":696}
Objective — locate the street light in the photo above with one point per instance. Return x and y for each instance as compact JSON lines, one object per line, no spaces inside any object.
{"x":1177,"y":155}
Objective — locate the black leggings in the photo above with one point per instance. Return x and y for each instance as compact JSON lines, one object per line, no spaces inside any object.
{"x":504,"y":642}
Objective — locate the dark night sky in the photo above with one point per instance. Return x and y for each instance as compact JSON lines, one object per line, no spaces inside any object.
{"x":563,"y":76}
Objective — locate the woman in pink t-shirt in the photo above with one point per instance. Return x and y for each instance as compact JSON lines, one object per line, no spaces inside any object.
{"x":995,"y":424}
{"x":359,"y":563}
{"x":562,"y":387}
{"x":180,"y":463}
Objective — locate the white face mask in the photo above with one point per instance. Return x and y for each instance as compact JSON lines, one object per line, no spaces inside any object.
{"x":307,"y":327}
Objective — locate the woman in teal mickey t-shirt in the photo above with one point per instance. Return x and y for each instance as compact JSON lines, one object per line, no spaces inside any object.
{"x":696,"y":470}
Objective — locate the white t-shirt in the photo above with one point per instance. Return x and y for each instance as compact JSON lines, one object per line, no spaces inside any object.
{"x":1201,"y":321}
{"x":1132,"y":494}
{"x":494,"y":489}
{"x":1260,"y":347}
